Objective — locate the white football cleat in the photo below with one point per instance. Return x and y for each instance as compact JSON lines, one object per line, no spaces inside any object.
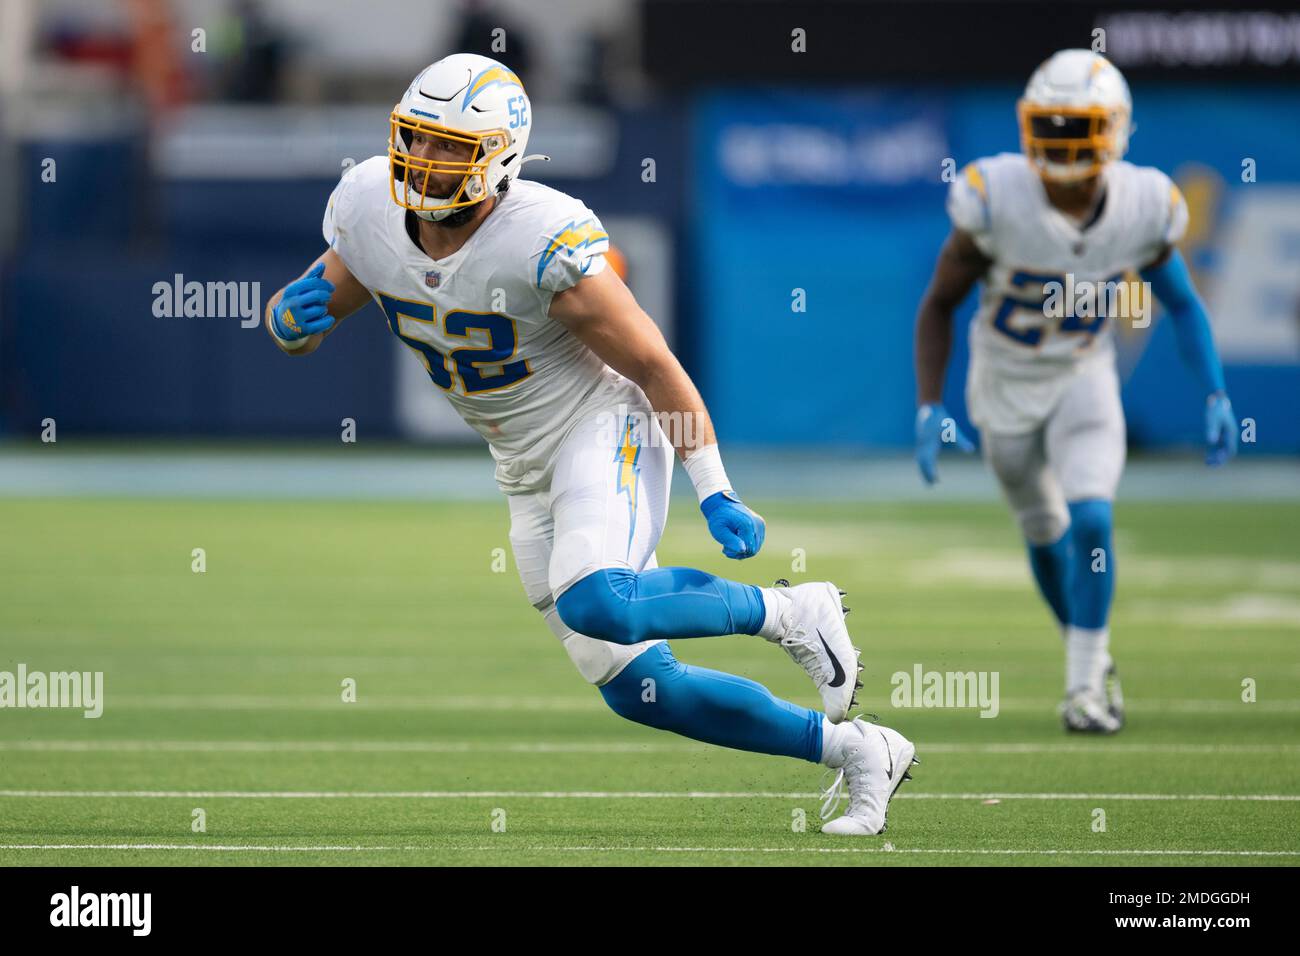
{"x":1114,"y":695}
{"x":1087,"y":712}
{"x":873,"y":762}
{"x":813,"y":633}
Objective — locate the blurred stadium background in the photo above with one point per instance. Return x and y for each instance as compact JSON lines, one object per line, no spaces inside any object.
{"x":130,"y":158}
{"x":772,"y":171}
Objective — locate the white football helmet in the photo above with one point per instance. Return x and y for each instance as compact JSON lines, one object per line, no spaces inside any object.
{"x":467,"y":99}
{"x":1075,"y":116}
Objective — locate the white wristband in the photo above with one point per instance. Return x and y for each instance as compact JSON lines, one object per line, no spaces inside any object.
{"x":292,"y":345}
{"x":706,"y":471}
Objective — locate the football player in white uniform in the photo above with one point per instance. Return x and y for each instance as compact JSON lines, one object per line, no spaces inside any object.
{"x":1051,"y":234}
{"x":500,"y":288}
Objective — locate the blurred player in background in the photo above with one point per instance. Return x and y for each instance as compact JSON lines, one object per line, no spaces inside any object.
{"x":501,"y":288}
{"x":1051,"y":234}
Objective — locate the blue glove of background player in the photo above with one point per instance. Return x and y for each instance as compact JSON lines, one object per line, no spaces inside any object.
{"x":739,"y":530}
{"x":302,"y":310}
{"x":1220,"y":430}
{"x":930,"y":434}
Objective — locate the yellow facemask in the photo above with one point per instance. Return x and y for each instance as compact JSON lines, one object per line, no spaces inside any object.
{"x":1078,"y":140}
{"x":410,"y":183}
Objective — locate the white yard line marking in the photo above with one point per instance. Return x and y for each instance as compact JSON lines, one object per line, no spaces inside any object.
{"x":195,"y":846}
{"x":1259,"y":797}
{"x":610,"y":795}
{"x":604,"y":747}
{"x":201,"y":702}
{"x":338,"y":746}
{"x":253,"y":848}
{"x":1107,"y":747}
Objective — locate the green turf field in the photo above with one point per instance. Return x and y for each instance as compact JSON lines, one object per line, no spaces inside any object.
{"x":223,"y":691}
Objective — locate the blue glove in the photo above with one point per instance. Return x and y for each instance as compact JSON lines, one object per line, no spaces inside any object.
{"x":302,"y":310}
{"x":932,"y":420}
{"x":1220,"y":430}
{"x":739,"y":530}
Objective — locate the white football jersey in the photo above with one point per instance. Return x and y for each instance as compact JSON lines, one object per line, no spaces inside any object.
{"x":1049,"y":300}
{"x":478,"y":319}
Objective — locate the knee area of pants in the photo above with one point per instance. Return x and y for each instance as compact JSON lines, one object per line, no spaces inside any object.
{"x":598,"y":605}
{"x":640,"y":682}
{"x":600,"y":662}
{"x":1042,"y":525}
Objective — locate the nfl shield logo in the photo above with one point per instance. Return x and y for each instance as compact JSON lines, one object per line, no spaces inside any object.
{"x":431,"y":279}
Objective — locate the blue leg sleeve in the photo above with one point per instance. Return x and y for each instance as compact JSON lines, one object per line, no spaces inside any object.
{"x":1092,"y":580}
{"x":625,"y":607}
{"x":1172,"y":285}
{"x":1051,"y":566}
{"x":657,"y":690}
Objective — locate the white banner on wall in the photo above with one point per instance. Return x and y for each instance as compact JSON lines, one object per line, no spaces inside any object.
{"x":1254,"y":302}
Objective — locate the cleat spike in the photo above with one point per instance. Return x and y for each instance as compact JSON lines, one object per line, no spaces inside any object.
{"x":782,"y":583}
{"x":907,"y":776}
{"x":844,"y":593}
{"x":857,"y":685}
{"x":915,"y":761}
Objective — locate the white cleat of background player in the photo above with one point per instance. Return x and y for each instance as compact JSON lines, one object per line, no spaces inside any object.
{"x":1093,"y":711}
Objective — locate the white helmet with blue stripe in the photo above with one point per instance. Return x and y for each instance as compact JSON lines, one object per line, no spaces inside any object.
{"x":1075,"y":115}
{"x":467,"y":99}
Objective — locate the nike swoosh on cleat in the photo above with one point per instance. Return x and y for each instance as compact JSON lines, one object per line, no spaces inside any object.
{"x":839,"y":671}
{"x":890,"y":772}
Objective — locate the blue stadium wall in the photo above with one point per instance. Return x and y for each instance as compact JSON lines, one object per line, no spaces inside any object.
{"x":839,"y":194}
{"x":79,"y":342}
{"x":834,"y":193}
